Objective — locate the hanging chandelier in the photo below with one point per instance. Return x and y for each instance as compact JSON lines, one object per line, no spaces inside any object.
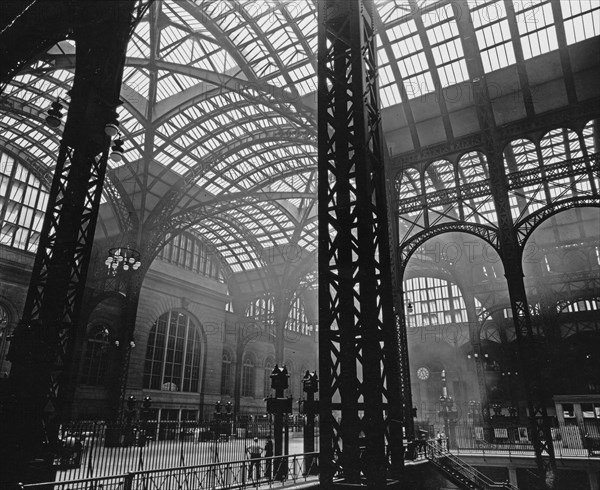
{"x":122,"y":259}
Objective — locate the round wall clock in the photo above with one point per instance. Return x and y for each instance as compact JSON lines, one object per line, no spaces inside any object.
{"x":423,"y":373}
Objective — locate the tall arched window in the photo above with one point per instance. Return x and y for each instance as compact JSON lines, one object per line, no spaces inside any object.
{"x":23,"y":201}
{"x":5,"y":333}
{"x":173,"y":354}
{"x":226,"y":373}
{"x":267,"y":380}
{"x":248,"y":375}
{"x":95,"y":359}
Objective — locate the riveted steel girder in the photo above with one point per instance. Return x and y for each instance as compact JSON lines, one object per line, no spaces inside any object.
{"x":41,"y":382}
{"x":360,"y":402}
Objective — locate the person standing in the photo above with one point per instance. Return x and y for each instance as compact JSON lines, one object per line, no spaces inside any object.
{"x":255,"y":451}
{"x":268,"y":462}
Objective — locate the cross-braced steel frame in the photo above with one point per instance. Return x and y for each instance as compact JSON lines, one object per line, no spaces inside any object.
{"x":361,"y":406}
{"x":42,"y":349}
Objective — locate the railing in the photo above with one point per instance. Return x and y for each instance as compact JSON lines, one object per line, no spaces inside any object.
{"x":568,"y":441}
{"x":90,"y":450}
{"x":450,"y":464}
{"x":272,"y":472}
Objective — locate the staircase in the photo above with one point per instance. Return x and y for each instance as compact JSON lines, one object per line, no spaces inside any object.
{"x":460,"y":473}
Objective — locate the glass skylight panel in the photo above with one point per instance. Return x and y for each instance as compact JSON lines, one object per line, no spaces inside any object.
{"x":138,"y":46}
{"x":536,"y":27}
{"x":581,"y":19}
{"x":446,"y":47}
{"x":471,"y":168}
{"x":524,"y":154}
{"x":493,"y":35}
{"x":176,"y":13}
{"x":137,"y":79}
{"x":391,"y":10}
{"x":411,"y":59}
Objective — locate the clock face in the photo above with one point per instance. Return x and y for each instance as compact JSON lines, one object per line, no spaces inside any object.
{"x":423,"y":373}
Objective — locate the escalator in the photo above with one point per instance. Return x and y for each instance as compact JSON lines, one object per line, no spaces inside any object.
{"x":460,"y":473}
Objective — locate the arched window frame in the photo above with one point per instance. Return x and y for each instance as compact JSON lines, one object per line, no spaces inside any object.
{"x":226,"y":372}
{"x":248,"y":375}
{"x":174,"y":354}
{"x":296,"y":320}
{"x":6,"y":329}
{"x":23,"y":202}
{"x":188,"y":252}
{"x":96,"y":355}
{"x":435,"y":302}
{"x":269,"y":363}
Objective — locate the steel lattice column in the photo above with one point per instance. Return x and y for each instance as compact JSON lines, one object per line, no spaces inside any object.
{"x":358,"y":343}
{"x":511,"y":253}
{"x":528,"y":347}
{"x":41,"y":351}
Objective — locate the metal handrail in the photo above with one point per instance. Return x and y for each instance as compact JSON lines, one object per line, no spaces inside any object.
{"x":436,"y":453}
{"x":232,"y":474}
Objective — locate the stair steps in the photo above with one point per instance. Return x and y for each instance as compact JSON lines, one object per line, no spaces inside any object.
{"x":460,"y":473}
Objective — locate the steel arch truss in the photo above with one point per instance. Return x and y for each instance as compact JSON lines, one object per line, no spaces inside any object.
{"x":528,"y":225}
{"x":358,"y":343}
{"x":486,"y":233}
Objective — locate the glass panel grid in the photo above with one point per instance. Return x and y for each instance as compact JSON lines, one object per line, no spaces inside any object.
{"x":446,"y":46}
{"x":581,"y":19}
{"x":536,"y":27}
{"x":22,"y":205}
{"x":435,"y":302}
{"x":173,"y":354}
{"x":493,"y":34}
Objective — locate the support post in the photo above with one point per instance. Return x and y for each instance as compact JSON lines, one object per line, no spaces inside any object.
{"x":361,"y":410}
{"x":41,"y":380}
{"x":528,"y":348}
{"x":309,"y":407}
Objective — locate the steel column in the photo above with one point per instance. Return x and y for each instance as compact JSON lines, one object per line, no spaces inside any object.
{"x":511,"y":253}
{"x":361,"y":407}
{"x":528,"y":347}
{"x":41,"y":351}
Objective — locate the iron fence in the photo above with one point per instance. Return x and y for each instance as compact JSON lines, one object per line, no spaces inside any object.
{"x":90,"y":450}
{"x":568,"y":441}
{"x":271,"y":472}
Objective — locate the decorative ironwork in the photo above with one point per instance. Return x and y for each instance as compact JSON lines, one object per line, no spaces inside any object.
{"x":528,"y":225}
{"x":358,"y":342}
{"x":486,"y":233}
{"x":41,"y":351}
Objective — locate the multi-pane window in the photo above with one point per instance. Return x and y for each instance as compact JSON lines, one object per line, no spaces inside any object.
{"x":406,"y":46}
{"x":95,"y":358}
{"x":296,"y":320}
{"x":267,"y":379}
{"x":521,"y":156}
{"x":583,"y":305}
{"x":591,"y":136}
{"x":435,"y":302}
{"x":226,"y":374}
{"x":558,"y":146}
{"x":493,"y":34}
{"x":188,"y":252}
{"x":536,"y":27}
{"x":446,"y":47}
{"x":173,"y":354}
{"x":22,"y":205}
{"x":581,"y":19}
{"x":5,"y":333}
{"x":262,"y":309}
{"x":472,"y":169}
{"x":248,"y":370}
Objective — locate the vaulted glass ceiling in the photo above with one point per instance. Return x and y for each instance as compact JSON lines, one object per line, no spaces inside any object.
{"x":218,"y":113}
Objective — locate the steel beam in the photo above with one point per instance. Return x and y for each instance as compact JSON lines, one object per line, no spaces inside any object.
{"x":40,"y":384}
{"x":360,"y":403}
